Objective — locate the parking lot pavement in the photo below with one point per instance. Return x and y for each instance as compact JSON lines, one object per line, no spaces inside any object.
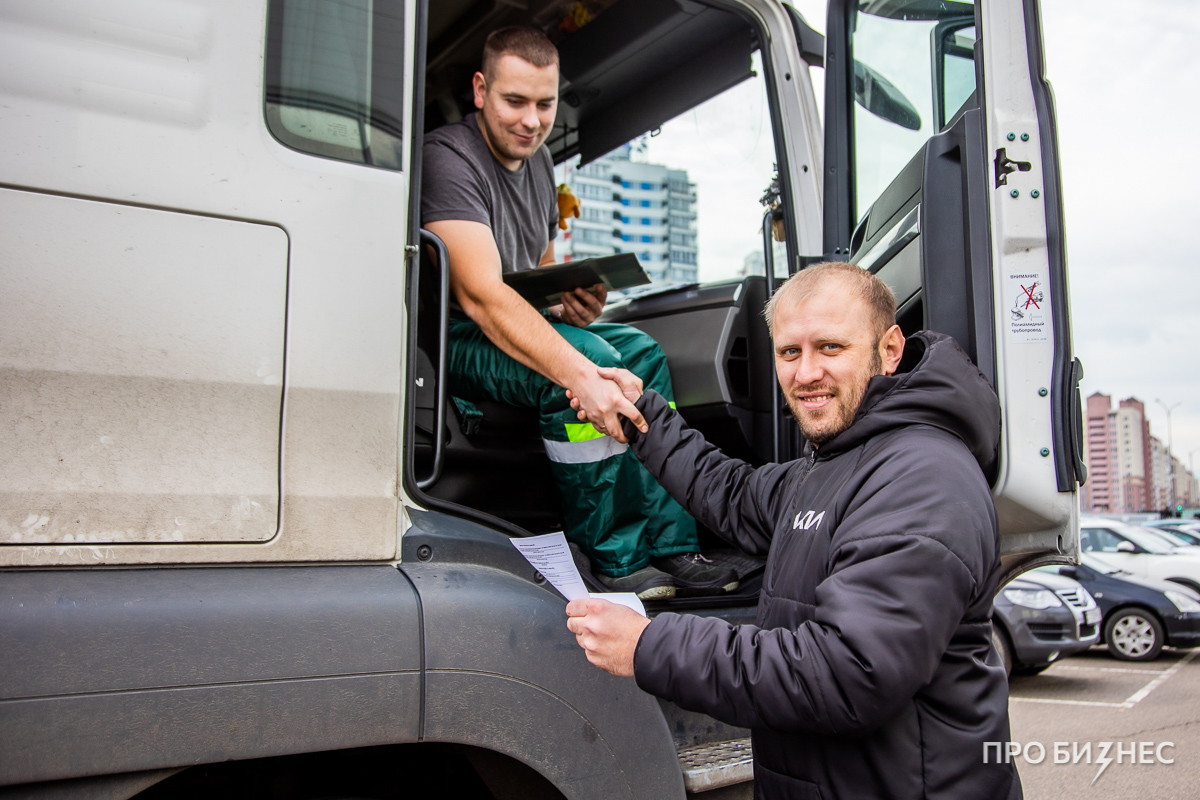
{"x":1091,"y":699}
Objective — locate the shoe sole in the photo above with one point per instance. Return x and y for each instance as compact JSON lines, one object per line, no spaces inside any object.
{"x":657,"y":593}
{"x":729,"y":586}
{"x":708,"y":591}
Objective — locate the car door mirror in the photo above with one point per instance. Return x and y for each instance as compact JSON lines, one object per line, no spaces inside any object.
{"x":1069,"y":572}
{"x":1126,"y":547}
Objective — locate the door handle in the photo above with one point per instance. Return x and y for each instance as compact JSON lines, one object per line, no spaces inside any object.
{"x":442,"y":265}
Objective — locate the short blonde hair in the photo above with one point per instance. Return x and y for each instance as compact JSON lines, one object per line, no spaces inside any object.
{"x":880,"y":299}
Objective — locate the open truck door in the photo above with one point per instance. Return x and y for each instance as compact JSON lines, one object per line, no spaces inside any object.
{"x":941,"y":176}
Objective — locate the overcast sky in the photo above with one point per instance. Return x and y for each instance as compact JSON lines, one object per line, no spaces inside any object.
{"x":1126,"y":79}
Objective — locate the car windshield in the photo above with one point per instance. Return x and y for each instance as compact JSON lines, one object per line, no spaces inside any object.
{"x":1146,"y":540}
{"x":1189,"y":532}
{"x":1168,"y":536}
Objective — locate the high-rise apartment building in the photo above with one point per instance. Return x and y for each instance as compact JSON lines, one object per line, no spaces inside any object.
{"x":1133,"y":453}
{"x":1101,"y":456}
{"x":1128,"y":469}
{"x":1168,"y":469}
{"x":632,"y":207}
{"x":1161,"y":471}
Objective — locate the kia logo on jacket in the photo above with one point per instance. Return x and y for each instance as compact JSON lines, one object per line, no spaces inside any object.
{"x":806,"y":520}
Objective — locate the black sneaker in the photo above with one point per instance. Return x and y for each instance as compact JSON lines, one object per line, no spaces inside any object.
{"x":695,"y":573}
{"x":647,"y":583}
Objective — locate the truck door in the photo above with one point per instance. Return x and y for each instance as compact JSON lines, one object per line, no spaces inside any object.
{"x":941,"y":176}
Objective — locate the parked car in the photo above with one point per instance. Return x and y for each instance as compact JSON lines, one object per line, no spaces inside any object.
{"x":1139,"y":551}
{"x":1188,"y":530}
{"x":1174,"y":539}
{"x":1141,"y":615}
{"x":1040,"y":618}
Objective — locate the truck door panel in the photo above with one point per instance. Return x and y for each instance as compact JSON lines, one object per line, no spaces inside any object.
{"x":141,"y":364}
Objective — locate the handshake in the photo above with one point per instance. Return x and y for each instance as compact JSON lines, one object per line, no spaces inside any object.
{"x":607,"y":396}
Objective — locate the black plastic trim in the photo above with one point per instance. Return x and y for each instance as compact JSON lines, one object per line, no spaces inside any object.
{"x":421,"y":32}
{"x":956,"y":262}
{"x":210,"y":663}
{"x":839,"y":129}
{"x":1067,"y":450}
{"x":812,"y":43}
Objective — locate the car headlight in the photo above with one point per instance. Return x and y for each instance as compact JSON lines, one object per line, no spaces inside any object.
{"x":1183,"y":602}
{"x":1033,"y":598}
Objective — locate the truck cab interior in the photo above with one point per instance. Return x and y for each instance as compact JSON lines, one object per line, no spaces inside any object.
{"x":903,"y":133}
{"x":627,"y":71}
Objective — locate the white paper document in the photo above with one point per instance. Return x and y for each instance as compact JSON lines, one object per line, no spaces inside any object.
{"x":551,"y":556}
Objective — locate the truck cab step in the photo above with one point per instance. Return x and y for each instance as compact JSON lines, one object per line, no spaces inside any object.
{"x":716,"y":764}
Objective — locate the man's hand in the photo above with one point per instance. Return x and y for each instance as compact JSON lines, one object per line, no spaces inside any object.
{"x":581,"y":307}
{"x":607,"y":632}
{"x":631,"y":388}
{"x":631,"y":385}
{"x":602,"y":402}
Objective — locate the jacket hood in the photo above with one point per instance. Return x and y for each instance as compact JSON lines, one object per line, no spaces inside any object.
{"x":936,"y":385}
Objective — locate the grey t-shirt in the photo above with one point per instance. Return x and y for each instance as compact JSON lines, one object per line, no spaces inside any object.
{"x":462,"y":180}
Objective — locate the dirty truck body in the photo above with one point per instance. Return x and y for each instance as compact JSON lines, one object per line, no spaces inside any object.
{"x":245,"y":540}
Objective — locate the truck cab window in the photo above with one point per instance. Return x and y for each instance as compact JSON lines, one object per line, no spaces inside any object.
{"x":330,"y":90}
{"x":913,"y":70}
{"x":686,"y":197}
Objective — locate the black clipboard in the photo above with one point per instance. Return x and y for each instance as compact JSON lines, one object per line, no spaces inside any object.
{"x":543,"y":287}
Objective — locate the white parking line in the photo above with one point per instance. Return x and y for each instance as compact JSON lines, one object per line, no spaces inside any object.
{"x":1058,"y":667}
{"x":1141,"y":694}
{"x":1068,"y":702}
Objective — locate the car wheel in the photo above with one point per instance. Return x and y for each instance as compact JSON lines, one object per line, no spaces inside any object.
{"x":1000,"y":642}
{"x":1133,"y":634}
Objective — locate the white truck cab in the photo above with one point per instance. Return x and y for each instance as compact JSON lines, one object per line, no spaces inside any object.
{"x":249,"y":543}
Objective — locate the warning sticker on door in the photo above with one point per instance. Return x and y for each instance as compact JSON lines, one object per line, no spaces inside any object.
{"x":1029,"y":307}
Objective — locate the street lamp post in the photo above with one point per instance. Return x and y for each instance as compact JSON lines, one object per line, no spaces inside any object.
{"x":1170,"y":458}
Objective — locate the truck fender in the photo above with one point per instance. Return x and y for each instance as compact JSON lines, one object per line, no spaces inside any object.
{"x":502,"y":671}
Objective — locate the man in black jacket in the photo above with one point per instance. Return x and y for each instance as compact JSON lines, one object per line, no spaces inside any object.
{"x":870,"y":672}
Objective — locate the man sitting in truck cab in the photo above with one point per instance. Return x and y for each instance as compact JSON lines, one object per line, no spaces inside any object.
{"x":488,"y":192}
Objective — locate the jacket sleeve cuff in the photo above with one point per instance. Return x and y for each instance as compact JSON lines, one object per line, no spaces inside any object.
{"x":643,"y":660}
{"x":652,"y":405}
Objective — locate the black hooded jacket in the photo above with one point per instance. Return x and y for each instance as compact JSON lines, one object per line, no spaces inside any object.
{"x":870,"y":672}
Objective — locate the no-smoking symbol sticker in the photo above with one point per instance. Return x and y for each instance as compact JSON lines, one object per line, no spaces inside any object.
{"x":1029,"y":307}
